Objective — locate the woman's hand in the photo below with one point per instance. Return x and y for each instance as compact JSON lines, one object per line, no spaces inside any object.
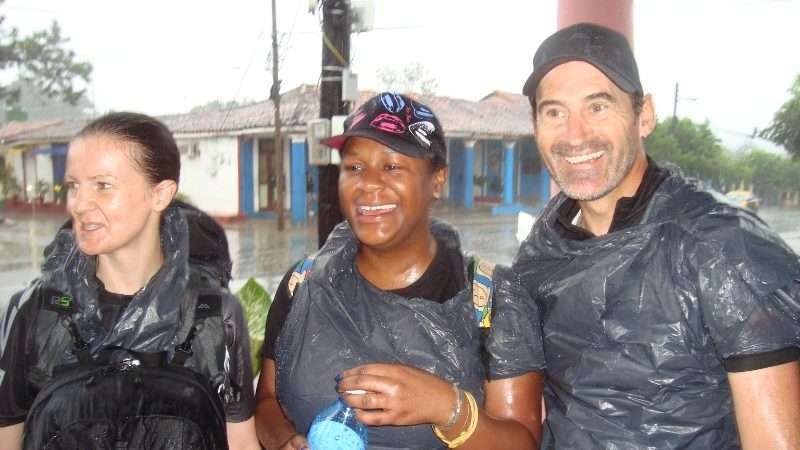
{"x":395,"y":394}
{"x":296,"y":442}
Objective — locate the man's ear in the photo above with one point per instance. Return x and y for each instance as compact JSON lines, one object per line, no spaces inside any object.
{"x":439,"y":180}
{"x":647,"y":117}
{"x":163,"y":193}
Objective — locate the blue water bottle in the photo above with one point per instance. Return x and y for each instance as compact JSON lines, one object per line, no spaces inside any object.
{"x":336,"y":428}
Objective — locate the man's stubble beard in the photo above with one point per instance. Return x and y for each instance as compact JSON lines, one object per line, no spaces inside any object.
{"x":616,"y":173}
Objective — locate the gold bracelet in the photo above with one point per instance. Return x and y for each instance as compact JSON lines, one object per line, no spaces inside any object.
{"x":468,"y":431}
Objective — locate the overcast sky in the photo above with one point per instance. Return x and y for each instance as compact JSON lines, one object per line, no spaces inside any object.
{"x":734,"y":59}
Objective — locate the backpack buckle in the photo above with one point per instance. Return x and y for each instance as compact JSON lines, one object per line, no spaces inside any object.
{"x":128,"y":364}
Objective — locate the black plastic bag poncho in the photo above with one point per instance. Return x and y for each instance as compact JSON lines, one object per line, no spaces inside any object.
{"x":159,"y":317}
{"x":338,"y":320}
{"x":637,"y":324}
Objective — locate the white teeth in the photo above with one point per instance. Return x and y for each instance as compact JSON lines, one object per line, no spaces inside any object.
{"x":583,"y":158}
{"x":377,"y":207}
{"x":90,"y":226}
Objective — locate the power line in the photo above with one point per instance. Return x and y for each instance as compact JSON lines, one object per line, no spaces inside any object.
{"x":291,"y":30}
{"x":244,"y":75}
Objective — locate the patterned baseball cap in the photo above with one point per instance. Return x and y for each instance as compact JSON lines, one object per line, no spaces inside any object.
{"x":398,"y":122}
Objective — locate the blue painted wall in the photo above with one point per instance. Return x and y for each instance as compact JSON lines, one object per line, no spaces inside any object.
{"x":59,"y":156}
{"x":508,"y":175}
{"x":456,"y":171}
{"x":298,"y":181}
{"x":528,"y":157}
{"x":246,"y":199}
{"x":469,"y":170}
{"x":544,"y":185}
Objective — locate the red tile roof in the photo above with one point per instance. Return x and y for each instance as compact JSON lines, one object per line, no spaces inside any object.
{"x":9,"y":131}
{"x":500,"y":115}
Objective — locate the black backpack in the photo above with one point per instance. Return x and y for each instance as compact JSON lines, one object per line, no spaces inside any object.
{"x":139,"y":401}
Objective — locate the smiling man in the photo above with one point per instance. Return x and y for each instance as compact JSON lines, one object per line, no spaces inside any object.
{"x":670,"y":320}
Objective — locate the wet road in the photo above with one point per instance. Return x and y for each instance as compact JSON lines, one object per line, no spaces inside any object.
{"x":256,"y":246}
{"x":259,"y":250}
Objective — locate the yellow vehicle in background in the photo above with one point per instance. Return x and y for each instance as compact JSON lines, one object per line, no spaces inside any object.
{"x":744,"y":199}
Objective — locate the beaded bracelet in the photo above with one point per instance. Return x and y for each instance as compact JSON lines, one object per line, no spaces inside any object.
{"x":468,"y":430}
{"x":456,"y":411}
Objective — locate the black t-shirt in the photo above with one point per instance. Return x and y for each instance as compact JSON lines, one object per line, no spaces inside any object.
{"x":442,"y":280}
{"x":111,"y":306}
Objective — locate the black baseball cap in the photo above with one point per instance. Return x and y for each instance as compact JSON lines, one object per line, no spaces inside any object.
{"x":599,"y":46}
{"x":398,"y":122}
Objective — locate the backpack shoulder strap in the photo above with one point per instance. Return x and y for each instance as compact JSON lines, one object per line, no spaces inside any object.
{"x":63,"y":305}
{"x":301,"y":271}
{"x":482,"y":290}
{"x":209,"y":304}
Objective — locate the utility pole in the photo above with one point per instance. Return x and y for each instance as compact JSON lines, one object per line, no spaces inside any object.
{"x":675,"y":109}
{"x":335,"y":58}
{"x":275,"y":95}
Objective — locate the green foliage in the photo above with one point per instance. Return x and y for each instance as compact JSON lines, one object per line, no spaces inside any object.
{"x":771,"y":174}
{"x":8,"y":182}
{"x":785,"y":126}
{"x":42,"y":60}
{"x":41,"y":188}
{"x":255,"y":302}
{"x":694,"y":148}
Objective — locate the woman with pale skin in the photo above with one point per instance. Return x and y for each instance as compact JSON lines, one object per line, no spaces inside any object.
{"x":386,"y":309}
{"x":122,"y":175}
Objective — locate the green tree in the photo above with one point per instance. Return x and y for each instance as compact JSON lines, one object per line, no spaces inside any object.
{"x":772,"y":174}
{"x":692,"y":147}
{"x":41,"y":59}
{"x":785,"y":126}
{"x":697,"y":151}
{"x":31,"y":104}
{"x":734,"y":172}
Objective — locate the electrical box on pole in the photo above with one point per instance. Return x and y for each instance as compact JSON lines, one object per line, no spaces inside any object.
{"x":337,"y":124}
{"x":318,"y":154}
{"x":349,"y":86}
{"x":362,"y":16}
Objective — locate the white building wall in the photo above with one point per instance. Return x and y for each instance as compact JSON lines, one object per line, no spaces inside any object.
{"x":286,"y":148}
{"x":210,"y":177}
{"x":44,"y":172}
{"x":28,"y":182}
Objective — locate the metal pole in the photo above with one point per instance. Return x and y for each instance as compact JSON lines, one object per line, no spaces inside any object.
{"x":675,"y":108}
{"x":335,"y":58}
{"x":275,"y":95}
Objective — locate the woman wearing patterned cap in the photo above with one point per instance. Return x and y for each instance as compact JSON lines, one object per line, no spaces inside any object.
{"x":419,"y":337}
